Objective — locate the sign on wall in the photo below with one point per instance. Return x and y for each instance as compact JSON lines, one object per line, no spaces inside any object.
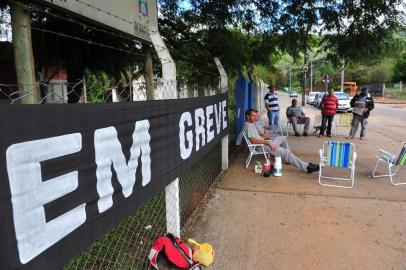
{"x":70,"y":172}
{"x":129,"y":16}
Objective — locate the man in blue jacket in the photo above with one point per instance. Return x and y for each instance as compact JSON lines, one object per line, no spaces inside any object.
{"x":362,"y":104}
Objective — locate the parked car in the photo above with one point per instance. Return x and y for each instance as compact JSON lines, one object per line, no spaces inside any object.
{"x":310,"y":97}
{"x":292,"y":94}
{"x":343,"y":102}
{"x":317,"y":99}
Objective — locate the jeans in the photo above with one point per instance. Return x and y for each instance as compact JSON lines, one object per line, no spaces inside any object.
{"x":329,"y":120}
{"x":356,"y":120}
{"x":273,"y":119}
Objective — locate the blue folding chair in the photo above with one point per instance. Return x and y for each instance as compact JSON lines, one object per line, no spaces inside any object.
{"x":391,"y":161}
{"x":338,"y":155}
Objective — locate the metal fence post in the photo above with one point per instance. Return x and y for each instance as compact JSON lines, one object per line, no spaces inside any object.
{"x":223,"y":88}
{"x":169,"y":82}
{"x":383,"y":89}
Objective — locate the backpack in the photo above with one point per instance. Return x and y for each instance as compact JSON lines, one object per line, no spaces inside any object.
{"x":174,"y":250}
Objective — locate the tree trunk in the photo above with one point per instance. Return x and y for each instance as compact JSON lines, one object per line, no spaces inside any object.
{"x":148,"y":74}
{"x":23,"y":55}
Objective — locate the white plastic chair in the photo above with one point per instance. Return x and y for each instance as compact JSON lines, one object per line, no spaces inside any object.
{"x":255,"y":149}
{"x":338,"y":155}
{"x":391,"y":160}
{"x":282,"y":129}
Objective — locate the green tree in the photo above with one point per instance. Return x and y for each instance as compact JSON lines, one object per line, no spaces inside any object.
{"x":399,"y":71}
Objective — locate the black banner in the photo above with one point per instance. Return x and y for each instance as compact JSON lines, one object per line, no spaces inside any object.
{"x":68,"y":173}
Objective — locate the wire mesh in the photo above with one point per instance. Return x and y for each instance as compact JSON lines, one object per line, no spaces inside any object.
{"x":394,"y":90}
{"x":127,"y":245}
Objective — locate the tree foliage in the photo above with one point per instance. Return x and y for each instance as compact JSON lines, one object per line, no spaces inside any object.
{"x":243,"y":33}
{"x":248,"y":33}
{"x":400,"y":68}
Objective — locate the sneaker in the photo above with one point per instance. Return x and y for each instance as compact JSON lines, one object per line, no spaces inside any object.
{"x":297,"y":134}
{"x":312,"y":168}
{"x":329,"y":136}
{"x":305,"y":134}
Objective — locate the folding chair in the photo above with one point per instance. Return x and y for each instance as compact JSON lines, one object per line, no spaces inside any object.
{"x":344,"y":121}
{"x":289,"y":124}
{"x":338,"y":155}
{"x":255,"y":149}
{"x":391,"y":161}
{"x":283,"y":126}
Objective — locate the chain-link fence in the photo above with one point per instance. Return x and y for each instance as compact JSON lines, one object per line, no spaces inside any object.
{"x":127,"y":245}
{"x":387,"y":90}
{"x":394,"y":90}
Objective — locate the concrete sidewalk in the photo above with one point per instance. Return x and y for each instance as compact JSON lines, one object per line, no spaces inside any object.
{"x":291,"y":222}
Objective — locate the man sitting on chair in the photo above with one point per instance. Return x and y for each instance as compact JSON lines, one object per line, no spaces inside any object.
{"x":278,"y":140}
{"x":277,"y":147}
{"x":261,"y":127}
{"x":296,"y":116}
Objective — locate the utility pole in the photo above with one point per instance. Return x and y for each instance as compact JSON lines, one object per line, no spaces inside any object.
{"x":290,"y":79}
{"x":311,"y":76}
{"x":342,"y":75}
{"x":23,"y":55}
{"x":148,"y":74}
{"x":326,"y":80}
{"x":304,"y":73}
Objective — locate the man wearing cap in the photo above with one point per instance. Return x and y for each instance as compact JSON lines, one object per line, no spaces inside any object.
{"x":361,"y":105}
{"x":272,"y":106}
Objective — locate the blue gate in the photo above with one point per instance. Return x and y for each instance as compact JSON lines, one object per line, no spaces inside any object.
{"x":244,"y":95}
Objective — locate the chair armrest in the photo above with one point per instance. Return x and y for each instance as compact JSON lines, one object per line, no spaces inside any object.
{"x":257,"y":144}
{"x":321,"y":156}
{"x":354,"y":155}
{"x":386,"y":156}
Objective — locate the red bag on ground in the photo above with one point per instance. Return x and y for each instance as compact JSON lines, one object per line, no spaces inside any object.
{"x":174,"y":250}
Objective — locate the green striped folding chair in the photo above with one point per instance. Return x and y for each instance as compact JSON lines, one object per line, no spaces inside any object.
{"x":337,"y":155}
{"x":391,"y":160}
{"x":343,"y":121}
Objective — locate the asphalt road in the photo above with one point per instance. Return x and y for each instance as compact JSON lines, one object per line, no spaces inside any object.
{"x":391,"y":111}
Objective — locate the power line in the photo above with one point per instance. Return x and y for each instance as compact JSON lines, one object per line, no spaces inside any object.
{"x":90,"y":42}
{"x":60,"y":34}
{"x":36,"y":9}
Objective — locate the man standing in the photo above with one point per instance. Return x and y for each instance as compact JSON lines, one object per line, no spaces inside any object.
{"x":275,"y":147}
{"x":328,"y":106}
{"x":272,"y":106}
{"x":361,"y":105}
{"x":296,"y":116}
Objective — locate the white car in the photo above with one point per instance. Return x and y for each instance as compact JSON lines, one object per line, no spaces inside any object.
{"x":292,"y":94}
{"x":310,"y":97}
{"x":318,"y":98}
{"x":343,"y":102}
